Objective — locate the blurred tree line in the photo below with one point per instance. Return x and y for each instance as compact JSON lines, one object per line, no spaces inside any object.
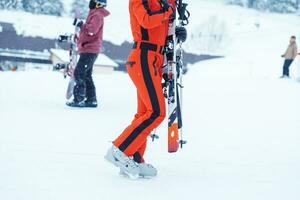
{"x":279,"y":6}
{"x":47,"y":7}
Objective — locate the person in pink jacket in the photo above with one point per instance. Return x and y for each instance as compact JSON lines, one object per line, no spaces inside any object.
{"x":89,"y":46}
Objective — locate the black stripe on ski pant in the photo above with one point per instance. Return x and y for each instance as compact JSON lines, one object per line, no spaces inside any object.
{"x":153,"y":98}
{"x":145,"y":34}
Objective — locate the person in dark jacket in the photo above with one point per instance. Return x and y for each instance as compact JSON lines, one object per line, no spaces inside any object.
{"x":89,"y":46}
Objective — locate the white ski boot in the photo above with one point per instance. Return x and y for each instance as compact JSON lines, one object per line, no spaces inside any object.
{"x":146,"y":171}
{"x":125,"y":163}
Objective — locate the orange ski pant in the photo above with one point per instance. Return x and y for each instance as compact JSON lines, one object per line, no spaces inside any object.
{"x":144,"y":67}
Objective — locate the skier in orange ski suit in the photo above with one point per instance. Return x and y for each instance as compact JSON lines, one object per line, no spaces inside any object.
{"x":149,"y":24}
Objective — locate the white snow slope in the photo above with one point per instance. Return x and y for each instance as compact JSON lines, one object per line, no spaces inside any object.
{"x":241,"y":122}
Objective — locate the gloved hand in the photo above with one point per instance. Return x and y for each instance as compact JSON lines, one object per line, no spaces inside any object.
{"x":181,"y":34}
{"x":172,"y":17}
{"x":166,"y":6}
{"x":79,"y":24}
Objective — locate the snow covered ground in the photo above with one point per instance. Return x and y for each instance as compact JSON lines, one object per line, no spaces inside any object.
{"x":241,"y":122}
{"x":243,"y":134}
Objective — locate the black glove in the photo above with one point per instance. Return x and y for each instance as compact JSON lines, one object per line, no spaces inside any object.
{"x":166,"y":6}
{"x":172,"y":17}
{"x":79,"y":24}
{"x":181,"y":34}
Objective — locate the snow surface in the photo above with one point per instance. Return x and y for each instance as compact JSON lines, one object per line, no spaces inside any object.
{"x":241,"y":122}
{"x":243,"y":135}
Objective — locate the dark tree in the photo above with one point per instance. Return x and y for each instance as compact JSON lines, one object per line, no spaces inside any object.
{"x":280,"y":6}
{"x":9,"y":4}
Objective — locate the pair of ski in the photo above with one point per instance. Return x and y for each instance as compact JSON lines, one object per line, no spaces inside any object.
{"x":173,"y":85}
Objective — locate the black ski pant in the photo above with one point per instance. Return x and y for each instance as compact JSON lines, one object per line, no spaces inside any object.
{"x":85,"y":87}
{"x":286,"y":66}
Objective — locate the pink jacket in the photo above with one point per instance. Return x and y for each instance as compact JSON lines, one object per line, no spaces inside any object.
{"x":91,"y":34}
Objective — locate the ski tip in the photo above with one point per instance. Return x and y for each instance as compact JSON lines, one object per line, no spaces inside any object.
{"x":173,"y":138}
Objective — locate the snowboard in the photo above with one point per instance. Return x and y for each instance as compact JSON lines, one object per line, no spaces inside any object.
{"x":70,"y":88}
{"x":69,"y":67}
{"x":73,"y":53}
